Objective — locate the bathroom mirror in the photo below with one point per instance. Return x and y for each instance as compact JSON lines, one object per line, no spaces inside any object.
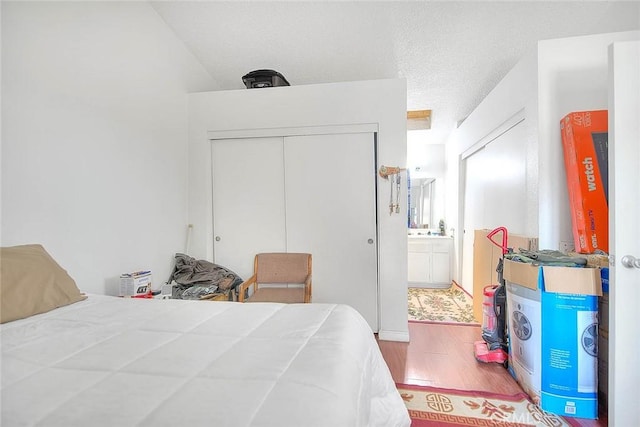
{"x":421,"y":199}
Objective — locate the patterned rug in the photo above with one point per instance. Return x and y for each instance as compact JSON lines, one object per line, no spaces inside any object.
{"x":431,"y":407}
{"x":451,"y":305}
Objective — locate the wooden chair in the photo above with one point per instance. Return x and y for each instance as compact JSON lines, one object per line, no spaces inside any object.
{"x":279,"y":277}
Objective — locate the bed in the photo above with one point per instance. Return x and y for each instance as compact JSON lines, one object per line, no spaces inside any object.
{"x":112,"y":361}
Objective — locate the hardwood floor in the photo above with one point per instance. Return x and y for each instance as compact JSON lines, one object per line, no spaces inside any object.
{"x":442,"y":355}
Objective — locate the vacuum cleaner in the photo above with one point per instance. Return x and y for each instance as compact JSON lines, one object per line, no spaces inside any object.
{"x":494,"y":346}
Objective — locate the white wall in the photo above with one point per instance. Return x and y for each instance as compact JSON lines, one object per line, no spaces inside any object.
{"x":94,"y":136}
{"x":381,"y":102}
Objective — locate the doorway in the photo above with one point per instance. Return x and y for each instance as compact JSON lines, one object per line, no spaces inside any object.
{"x":430,"y":255}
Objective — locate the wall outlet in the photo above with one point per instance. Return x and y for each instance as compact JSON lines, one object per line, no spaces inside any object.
{"x":566,"y":247}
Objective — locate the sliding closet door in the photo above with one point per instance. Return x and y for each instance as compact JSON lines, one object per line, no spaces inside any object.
{"x":494,"y":193}
{"x":331,"y":213}
{"x":248,"y":201}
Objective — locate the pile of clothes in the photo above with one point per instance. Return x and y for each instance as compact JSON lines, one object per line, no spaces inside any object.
{"x":546,"y":257}
{"x":195,"y":279}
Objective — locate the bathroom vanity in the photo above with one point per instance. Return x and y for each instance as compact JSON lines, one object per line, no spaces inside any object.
{"x":429,"y":260}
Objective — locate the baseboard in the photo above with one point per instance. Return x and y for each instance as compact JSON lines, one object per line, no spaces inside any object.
{"x":429,"y":285}
{"x":461,"y":288}
{"x":400,"y":336}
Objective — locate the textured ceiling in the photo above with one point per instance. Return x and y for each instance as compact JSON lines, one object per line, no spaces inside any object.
{"x":451,"y":53}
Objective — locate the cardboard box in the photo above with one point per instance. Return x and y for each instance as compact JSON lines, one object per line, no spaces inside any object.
{"x":552,"y":317}
{"x":137,"y":285}
{"x":485,"y":262}
{"x":585,"y":146}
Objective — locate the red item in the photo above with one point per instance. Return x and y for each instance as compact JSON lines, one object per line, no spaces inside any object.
{"x":488,"y":311}
{"x":484,"y":355}
{"x":503,"y":246}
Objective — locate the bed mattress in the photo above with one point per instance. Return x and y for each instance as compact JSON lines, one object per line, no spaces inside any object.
{"x":131,"y":362}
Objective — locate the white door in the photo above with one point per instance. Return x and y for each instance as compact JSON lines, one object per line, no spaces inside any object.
{"x":331,"y":213}
{"x":248,"y":201}
{"x":624,"y":232}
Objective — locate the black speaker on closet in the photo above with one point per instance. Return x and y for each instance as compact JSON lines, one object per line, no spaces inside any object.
{"x":264,"y":78}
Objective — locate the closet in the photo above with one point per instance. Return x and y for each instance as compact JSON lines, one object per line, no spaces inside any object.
{"x":310,"y":193}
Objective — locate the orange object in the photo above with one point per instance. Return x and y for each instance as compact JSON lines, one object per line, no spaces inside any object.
{"x":585,"y":146}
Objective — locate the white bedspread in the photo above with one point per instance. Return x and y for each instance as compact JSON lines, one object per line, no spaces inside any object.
{"x":119,"y":362}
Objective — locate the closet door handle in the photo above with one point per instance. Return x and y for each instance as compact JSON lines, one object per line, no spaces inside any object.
{"x":217,"y":238}
{"x":370,"y":241}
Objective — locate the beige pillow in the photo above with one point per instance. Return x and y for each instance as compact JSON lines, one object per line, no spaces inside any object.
{"x":32,"y":282}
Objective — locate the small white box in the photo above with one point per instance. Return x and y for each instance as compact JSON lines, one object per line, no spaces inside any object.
{"x":136,"y":284}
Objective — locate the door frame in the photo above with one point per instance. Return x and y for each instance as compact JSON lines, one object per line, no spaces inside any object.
{"x":292,"y":131}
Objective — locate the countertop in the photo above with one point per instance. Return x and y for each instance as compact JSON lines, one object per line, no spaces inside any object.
{"x":428,"y":236}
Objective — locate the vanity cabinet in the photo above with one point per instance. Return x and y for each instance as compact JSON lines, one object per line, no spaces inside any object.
{"x":429,"y":260}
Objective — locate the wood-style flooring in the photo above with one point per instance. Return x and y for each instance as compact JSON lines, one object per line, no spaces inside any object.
{"x":442,"y":355}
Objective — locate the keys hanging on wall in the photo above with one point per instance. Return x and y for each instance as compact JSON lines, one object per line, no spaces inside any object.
{"x":393,"y":175}
{"x":391,"y":195}
{"x":398,"y":193}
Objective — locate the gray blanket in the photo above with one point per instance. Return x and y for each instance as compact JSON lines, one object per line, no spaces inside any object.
{"x":196,"y":278}
{"x":547,"y":257}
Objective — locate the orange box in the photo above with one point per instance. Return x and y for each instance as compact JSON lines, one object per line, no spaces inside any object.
{"x":585,"y":146}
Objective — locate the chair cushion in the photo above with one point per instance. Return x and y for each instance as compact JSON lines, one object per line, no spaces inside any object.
{"x":284,"y":295}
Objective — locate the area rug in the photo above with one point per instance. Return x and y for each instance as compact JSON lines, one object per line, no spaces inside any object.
{"x":451,"y":305}
{"x":432,"y":407}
